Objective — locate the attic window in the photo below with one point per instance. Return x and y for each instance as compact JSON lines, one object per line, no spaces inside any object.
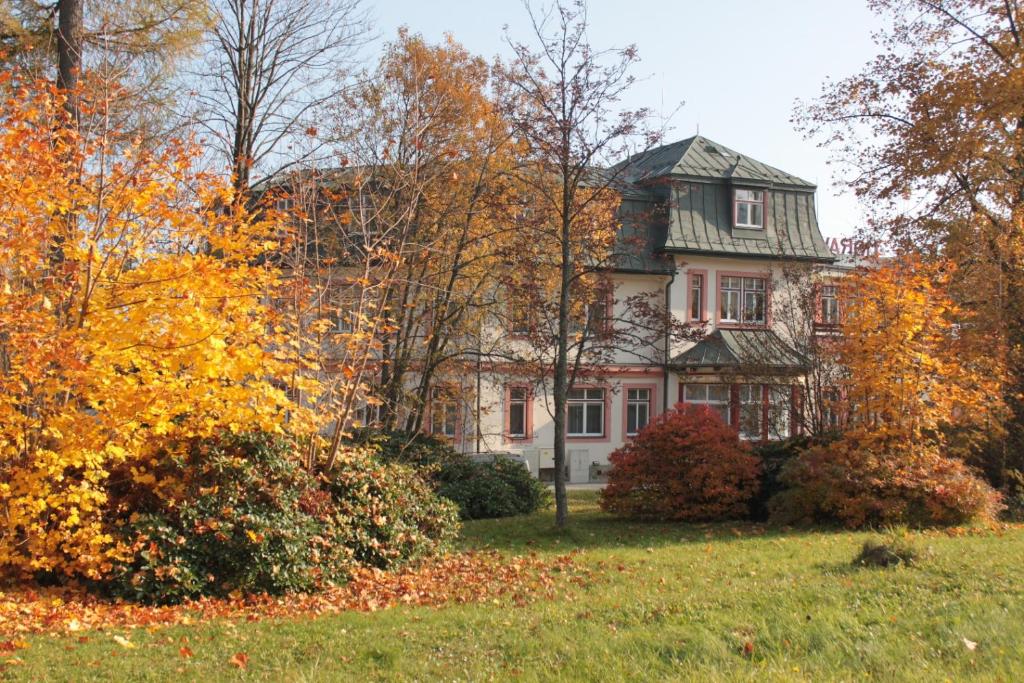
{"x":749,"y":209}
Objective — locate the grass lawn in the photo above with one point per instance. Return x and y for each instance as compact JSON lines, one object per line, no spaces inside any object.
{"x":668,"y":602}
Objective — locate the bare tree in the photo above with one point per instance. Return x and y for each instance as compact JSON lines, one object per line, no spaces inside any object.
{"x":561,"y":97}
{"x":269,"y":66}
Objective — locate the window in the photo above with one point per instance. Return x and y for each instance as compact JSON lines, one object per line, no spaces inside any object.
{"x":518,"y":398}
{"x":742,"y":300}
{"x":696,"y":297}
{"x":344,"y":321}
{"x":284,"y":203}
{"x":829,"y":311}
{"x":444,"y":413}
{"x":519,"y":318}
{"x":714,"y":396}
{"x":638,"y":410}
{"x":750,"y":209}
{"x":368,"y":415}
{"x":779,"y":400}
{"x":586,"y":412}
{"x":595,"y":318}
{"x":830,"y":408}
{"x":751,"y":411}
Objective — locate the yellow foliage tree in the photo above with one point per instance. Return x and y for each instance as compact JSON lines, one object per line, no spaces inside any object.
{"x":141,"y":321}
{"x":915,"y":372}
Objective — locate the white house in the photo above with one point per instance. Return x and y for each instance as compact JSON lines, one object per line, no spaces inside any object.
{"x":715,"y":230}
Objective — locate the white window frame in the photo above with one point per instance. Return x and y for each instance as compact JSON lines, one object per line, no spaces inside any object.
{"x":444,"y":414}
{"x":735,"y":296}
{"x":521,"y":402}
{"x":638,"y":400}
{"x":700,"y":394}
{"x":749,"y":200}
{"x":697,"y":296}
{"x":779,"y":411}
{"x":751,"y":399}
{"x":829,"y":310}
{"x":582,"y":401}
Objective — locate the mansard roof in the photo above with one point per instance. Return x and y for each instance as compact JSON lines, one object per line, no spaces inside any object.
{"x":699,"y":158}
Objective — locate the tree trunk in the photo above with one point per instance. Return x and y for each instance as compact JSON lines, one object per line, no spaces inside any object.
{"x":561,"y":381}
{"x":69,"y":53}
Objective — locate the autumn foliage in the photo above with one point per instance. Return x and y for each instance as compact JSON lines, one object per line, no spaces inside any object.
{"x":134,"y":313}
{"x":913,"y":373}
{"x":685,"y":465}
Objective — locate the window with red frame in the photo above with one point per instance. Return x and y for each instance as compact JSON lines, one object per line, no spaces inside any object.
{"x":638,"y":410}
{"x":828,"y":305}
{"x":444,"y":413}
{"x":697,"y":297}
{"x":586,"y":412}
{"x":743,"y":300}
{"x":518,"y":400}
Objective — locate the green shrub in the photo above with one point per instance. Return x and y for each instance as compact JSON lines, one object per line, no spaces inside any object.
{"x":684,"y":465}
{"x":386,"y":513}
{"x":416,"y":449}
{"x":774,"y":456}
{"x":486,"y":490}
{"x":228,"y":515}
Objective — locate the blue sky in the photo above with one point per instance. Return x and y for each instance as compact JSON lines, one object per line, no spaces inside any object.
{"x":737,"y":65}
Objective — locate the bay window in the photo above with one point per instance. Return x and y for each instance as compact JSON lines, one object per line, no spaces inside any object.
{"x":586,"y":412}
{"x":714,"y":396}
{"x":751,"y":411}
{"x":779,"y":404}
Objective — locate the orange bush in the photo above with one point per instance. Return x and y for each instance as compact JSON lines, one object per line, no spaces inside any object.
{"x":862,"y":480}
{"x":685,"y":465}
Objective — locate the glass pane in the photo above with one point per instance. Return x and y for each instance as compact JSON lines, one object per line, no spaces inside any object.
{"x":723,"y":412}
{"x":595,"y":418}
{"x":517,"y":394}
{"x":517,"y":419}
{"x":753,"y":307}
{"x":742,"y":214}
{"x":631,"y":394}
{"x":642,"y":394}
{"x":595,"y":394}
{"x":576,"y":418}
{"x":755,"y":214}
{"x":695,"y":392}
{"x":575,"y":394}
{"x":718,"y":392}
{"x":642,"y":415}
{"x":755,"y":283}
{"x":631,"y":418}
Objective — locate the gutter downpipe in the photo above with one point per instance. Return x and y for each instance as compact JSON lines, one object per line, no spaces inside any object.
{"x":668,"y":332}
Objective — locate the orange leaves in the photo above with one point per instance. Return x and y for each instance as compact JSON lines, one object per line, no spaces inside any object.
{"x":239,"y":660}
{"x":464,"y":578}
{"x":151,"y":324}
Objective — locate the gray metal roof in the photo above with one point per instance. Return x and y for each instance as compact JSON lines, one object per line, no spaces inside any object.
{"x":701,"y":158}
{"x":700,"y":221}
{"x":740,"y":349}
{"x":638,"y":238}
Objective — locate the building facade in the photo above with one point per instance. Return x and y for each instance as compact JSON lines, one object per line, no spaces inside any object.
{"x":715,"y":236}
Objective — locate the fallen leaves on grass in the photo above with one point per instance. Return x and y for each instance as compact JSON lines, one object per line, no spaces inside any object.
{"x":462,"y":578}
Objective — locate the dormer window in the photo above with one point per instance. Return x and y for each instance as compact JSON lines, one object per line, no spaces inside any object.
{"x":749,"y":209}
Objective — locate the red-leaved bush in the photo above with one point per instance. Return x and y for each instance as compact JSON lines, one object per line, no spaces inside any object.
{"x":685,"y":465}
{"x":864,"y":480}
